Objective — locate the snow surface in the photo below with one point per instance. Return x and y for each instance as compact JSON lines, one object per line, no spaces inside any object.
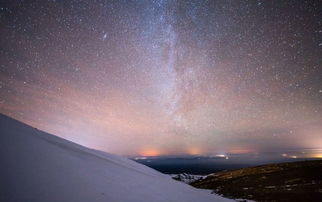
{"x":37,"y":166}
{"x":187,"y":178}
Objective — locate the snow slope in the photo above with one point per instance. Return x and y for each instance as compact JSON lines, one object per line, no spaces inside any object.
{"x":36,"y":166}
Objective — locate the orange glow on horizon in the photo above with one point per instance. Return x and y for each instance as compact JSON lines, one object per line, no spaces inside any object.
{"x":150,"y":152}
{"x":194,"y":151}
{"x":318,"y":155}
{"x":241,"y":151}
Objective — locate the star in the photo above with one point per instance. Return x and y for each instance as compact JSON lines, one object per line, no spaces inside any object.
{"x":104,"y":37}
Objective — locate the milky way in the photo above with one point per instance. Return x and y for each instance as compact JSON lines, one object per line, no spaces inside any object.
{"x":166,"y":77}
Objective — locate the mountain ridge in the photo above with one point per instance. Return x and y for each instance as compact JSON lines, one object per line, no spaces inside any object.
{"x":290,"y":181}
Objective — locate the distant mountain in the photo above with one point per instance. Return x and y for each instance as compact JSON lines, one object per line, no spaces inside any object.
{"x":295,"y":181}
{"x":196,"y":165}
{"x":37,"y":166}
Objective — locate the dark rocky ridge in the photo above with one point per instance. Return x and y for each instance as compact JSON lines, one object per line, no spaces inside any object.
{"x":296,"y":181}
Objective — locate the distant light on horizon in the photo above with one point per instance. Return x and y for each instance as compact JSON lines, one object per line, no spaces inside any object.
{"x":150,"y":153}
{"x":317,"y":155}
{"x":194,"y":151}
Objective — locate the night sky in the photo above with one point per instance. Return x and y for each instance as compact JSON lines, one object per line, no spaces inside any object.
{"x":166,"y":77}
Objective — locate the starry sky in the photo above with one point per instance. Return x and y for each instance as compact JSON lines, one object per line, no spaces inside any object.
{"x":157,"y":77}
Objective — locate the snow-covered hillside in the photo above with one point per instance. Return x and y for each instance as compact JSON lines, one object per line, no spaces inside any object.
{"x":37,"y":166}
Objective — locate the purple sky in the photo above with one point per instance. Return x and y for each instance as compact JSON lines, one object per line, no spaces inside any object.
{"x":166,"y":77}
